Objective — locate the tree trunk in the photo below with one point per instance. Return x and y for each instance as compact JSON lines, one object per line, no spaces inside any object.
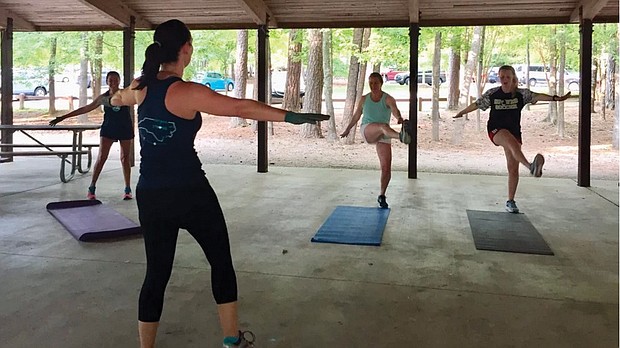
{"x":436,"y":69}
{"x":349,"y":103}
{"x":51,"y":75}
{"x":552,"y":110}
{"x":376,"y":67}
{"x":97,"y":65}
{"x":611,"y":82}
{"x":328,"y":85}
{"x":454,"y":71}
{"x":562,"y":69}
{"x":314,"y":86}
{"x":594,"y":82}
{"x":291,"y":100}
{"x":83,"y":97}
{"x":361,"y":75}
{"x":616,"y":132}
{"x":241,"y":74}
{"x":527,"y":61}
{"x":472,"y":58}
{"x":479,"y":82}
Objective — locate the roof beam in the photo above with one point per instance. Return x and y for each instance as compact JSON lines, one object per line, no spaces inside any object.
{"x":414,"y":11}
{"x":18,"y":22}
{"x":118,"y":12}
{"x":260,"y":13}
{"x":591,"y":8}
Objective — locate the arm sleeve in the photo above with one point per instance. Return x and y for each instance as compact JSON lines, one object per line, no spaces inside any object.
{"x":485,"y":100}
{"x":528,"y":95}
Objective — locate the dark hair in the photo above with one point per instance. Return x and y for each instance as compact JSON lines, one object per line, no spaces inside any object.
{"x":168,"y":39}
{"x":107,"y":76}
{"x":376,"y":75}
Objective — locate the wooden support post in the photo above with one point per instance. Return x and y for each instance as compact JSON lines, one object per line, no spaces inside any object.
{"x":262,"y":72}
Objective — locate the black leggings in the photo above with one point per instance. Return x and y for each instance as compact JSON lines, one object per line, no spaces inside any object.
{"x":162,"y":213}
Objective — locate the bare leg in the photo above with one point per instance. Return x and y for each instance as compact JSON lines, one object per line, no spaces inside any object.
{"x":228,"y":319}
{"x":375,"y":132}
{"x":511,"y":145}
{"x":104,"y":150}
{"x":125,"y":147}
{"x":147,"y":332}
{"x":384,"y":151}
{"x":513,"y":174}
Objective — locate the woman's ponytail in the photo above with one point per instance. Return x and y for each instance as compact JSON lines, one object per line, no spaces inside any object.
{"x":150,"y":68}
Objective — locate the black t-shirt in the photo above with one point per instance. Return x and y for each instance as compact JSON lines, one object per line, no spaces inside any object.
{"x":505,"y":108}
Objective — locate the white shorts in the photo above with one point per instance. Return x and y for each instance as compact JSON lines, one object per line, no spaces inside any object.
{"x":383,"y":140}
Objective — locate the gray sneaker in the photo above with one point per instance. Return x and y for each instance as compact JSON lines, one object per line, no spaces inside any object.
{"x":511,"y":206}
{"x":246,"y":340}
{"x":404,"y":135}
{"x":537,"y":165}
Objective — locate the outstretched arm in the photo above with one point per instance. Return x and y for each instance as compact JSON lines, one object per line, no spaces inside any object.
{"x":391,"y":103}
{"x":468,"y":109}
{"x":356,"y":116}
{"x":546,"y":97}
{"x":80,"y":111}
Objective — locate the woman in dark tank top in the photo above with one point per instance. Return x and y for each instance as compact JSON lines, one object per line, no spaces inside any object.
{"x":116,"y":126}
{"x":172,"y":191}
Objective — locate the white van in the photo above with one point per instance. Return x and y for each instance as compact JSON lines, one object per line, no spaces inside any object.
{"x":539,"y":75}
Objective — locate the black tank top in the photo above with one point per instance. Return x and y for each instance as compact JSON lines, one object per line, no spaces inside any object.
{"x":168,"y":157}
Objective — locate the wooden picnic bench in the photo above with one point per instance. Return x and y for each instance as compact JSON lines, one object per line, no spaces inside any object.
{"x":63,"y":160}
{"x":75,"y":150}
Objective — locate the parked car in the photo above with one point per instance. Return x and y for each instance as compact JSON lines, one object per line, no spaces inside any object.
{"x":29,"y":83}
{"x":390,"y":74}
{"x":425,"y":76}
{"x":217,"y":82}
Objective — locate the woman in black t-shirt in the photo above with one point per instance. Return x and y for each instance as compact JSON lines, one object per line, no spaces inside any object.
{"x":504,"y":125}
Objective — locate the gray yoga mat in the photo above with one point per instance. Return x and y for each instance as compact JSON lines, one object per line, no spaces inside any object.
{"x":90,"y":220}
{"x":502,"y":231}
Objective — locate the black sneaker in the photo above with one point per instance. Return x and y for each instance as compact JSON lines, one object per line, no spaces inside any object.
{"x":382,"y":203}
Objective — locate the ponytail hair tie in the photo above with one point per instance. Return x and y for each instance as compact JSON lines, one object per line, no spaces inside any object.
{"x":157,"y":43}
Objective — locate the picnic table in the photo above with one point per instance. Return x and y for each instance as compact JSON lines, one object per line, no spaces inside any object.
{"x":64,"y":151}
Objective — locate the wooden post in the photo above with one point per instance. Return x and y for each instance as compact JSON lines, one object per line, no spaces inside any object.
{"x":585,"y":101}
{"x":22,"y":98}
{"x":261,"y":78}
{"x":6,"y":75}
{"x":70,"y":100}
{"x":414,"y":37}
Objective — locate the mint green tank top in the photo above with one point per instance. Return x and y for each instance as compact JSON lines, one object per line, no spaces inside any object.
{"x":376,"y":112}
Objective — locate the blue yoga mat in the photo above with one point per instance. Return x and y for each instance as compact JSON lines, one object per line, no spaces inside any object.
{"x":353,"y":225}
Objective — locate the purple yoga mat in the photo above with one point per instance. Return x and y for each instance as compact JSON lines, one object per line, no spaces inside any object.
{"x":89,"y":220}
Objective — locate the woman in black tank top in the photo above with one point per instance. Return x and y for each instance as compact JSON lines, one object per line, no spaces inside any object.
{"x":117,"y":126}
{"x":172,"y":191}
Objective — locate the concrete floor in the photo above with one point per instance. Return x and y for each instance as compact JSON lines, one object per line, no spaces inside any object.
{"x":425,"y":286}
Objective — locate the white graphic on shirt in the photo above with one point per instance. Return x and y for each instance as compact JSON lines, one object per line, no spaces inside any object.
{"x":155,"y":131}
{"x":506,"y":104}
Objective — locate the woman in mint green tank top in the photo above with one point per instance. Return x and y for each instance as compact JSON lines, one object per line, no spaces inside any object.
{"x":377,"y":107}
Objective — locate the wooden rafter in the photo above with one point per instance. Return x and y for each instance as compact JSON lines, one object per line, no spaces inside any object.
{"x":118,"y":12}
{"x":259,"y":12}
{"x":414,"y":11}
{"x":591,"y":8}
{"x":18,"y":22}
